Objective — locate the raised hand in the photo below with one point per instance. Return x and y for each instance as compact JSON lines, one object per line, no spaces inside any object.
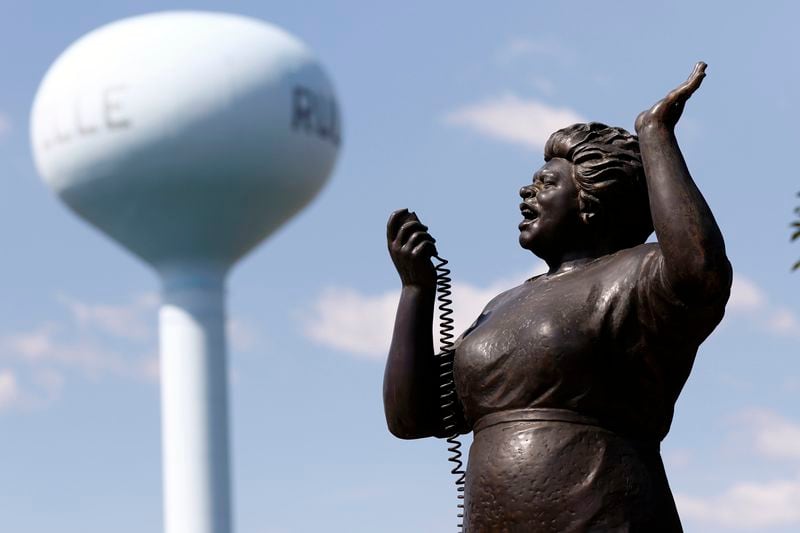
{"x":411,"y":248}
{"x":667,"y":111}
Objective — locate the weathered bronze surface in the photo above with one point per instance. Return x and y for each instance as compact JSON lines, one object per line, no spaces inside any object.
{"x":569,"y":380}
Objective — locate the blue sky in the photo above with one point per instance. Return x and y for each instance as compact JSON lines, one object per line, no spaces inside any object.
{"x":445,"y":109}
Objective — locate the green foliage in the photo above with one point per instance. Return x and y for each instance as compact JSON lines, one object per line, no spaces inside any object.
{"x":796,"y":232}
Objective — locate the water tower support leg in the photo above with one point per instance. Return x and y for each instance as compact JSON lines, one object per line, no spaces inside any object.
{"x":194,"y":404}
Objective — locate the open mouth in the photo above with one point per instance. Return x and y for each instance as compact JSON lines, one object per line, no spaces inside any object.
{"x":528,"y":213}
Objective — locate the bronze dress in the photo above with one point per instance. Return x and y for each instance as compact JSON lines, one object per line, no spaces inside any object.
{"x":569,"y":383}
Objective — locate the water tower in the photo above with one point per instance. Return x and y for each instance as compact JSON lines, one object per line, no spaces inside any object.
{"x":188,"y":137}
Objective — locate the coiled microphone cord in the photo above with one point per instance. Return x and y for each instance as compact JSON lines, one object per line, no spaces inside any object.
{"x":448,"y":400}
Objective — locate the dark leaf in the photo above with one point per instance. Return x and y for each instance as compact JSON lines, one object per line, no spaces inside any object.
{"x":796,"y":232}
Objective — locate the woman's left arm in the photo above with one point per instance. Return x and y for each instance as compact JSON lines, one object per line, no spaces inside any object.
{"x":691,"y":242}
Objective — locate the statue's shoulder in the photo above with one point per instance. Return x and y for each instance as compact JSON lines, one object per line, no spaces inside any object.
{"x":503,"y":297}
{"x":642,"y":251}
{"x":638,"y":256}
{"x":630,"y":267}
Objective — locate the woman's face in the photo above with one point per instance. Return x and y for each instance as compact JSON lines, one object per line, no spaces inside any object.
{"x":551,"y":211}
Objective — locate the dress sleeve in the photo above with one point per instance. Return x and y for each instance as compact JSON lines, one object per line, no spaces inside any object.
{"x":653,"y":338}
{"x":664,"y":317}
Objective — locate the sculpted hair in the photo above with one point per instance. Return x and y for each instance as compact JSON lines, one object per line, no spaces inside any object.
{"x":610,"y":180}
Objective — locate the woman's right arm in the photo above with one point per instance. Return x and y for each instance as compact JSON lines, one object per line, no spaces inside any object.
{"x":410,"y":381}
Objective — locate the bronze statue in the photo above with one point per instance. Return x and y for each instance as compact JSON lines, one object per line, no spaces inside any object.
{"x":569,"y":380}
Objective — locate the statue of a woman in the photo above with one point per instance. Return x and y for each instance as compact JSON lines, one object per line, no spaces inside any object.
{"x":569,"y":380}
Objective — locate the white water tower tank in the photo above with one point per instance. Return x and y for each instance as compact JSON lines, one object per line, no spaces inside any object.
{"x":188,"y":137}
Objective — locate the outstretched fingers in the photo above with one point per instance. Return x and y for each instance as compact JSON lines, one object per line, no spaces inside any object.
{"x":667,"y":111}
{"x":687,"y":88}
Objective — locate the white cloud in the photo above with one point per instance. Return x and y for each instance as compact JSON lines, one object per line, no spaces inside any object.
{"x":88,"y":340}
{"x":749,"y":504}
{"x":242,"y":335}
{"x":5,"y":125}
{"x":54,"y":345}
{"x":151,"y":368}
{"x":678,"y":458}
{"x":133,"y":320}
{"x":100,"y":339}
{"x":746,"y":296}
{"x":523,"y":47}
{"x":361,"y":324}
{"x":773,"y":436}
{"x":784,"y":321}
{"x":30,"y":345}
{"x":746,"y":505}
{"x":350,"y":321}
{"x":748,"y":299}
{"x":9,"y":390}
{"x":513,"y":119}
